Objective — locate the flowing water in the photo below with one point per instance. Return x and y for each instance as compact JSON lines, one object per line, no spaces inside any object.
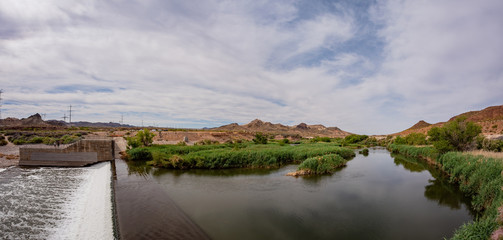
{"x":56,"y":203}
{"x":374,"y":197}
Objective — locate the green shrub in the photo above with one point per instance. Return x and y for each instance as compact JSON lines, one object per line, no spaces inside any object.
{"x":457,"y":135}
{"x":415,"y":139}
{"x":19,"y":141}
{"x":67,"y":139}
{"x":354,"y":138}
{"x":3,"y":142}
{"x":260,"y":138}
{"x":143,"y":138}
{"x":48,"y":140}
{"x":364,"y":152}
{"x":36,"y":140}
{"x":322,"y":164}
{"x":139,"y":154}
{"x":399,"y":140}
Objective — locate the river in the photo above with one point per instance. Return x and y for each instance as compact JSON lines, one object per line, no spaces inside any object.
{"x":375,"y":197}
{"x":379,"y":196}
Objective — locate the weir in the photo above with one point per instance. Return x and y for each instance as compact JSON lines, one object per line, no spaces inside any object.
{"x":82,"y":153}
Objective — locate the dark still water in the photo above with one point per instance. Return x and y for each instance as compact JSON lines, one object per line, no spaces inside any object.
{"x":374,"y":197}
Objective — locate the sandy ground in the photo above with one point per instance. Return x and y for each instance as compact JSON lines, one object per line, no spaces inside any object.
{"x":9,"y":155}
{"x":486,"y":153}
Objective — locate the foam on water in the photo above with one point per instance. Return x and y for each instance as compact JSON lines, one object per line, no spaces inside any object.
{"x":56,"y":203}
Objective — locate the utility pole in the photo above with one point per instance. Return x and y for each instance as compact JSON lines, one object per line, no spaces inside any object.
{"x":70,"y":114}
{"x":122,"y":118}
{"x":64,"y":117}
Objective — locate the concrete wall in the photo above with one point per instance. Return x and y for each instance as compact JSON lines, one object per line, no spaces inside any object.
{"x":73,"y":155}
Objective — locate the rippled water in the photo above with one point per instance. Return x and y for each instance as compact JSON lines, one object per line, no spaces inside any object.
{"x":374,"y":197}
{"x":56,"y":203}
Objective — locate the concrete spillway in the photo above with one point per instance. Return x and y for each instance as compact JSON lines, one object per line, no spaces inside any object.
{"x":56,"y":203}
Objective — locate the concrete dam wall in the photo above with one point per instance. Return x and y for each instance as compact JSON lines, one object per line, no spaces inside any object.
{"x":81,"y":153}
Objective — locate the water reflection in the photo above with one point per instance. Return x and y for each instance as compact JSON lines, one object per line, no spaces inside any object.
{"x":440,"y":189}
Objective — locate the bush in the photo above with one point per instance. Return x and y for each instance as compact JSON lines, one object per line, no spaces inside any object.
{"x":143,"y":138}
{"x":139,"y":154}
{"x":354,"y":138}
{"x":415,"y":139}
{"x":3,"y":142}
{"x":458,"y":135}
{"x":260,"y":139}
{"x":399,"y":140}
{"x":36,"y":140}
{"x":322,"y":164}
{"x":364,"y":152}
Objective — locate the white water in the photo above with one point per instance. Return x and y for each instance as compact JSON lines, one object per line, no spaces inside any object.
{"x":56,"y":203}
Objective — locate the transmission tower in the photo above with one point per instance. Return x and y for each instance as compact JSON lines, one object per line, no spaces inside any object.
{"x":70,"y":114}
{"x":64,"y":117}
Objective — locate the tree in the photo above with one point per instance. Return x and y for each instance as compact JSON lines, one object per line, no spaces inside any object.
{"x":143,"y":138}
{"x":457,"y":135}
{"x":260,"y":138}
{"x":416,"y":139}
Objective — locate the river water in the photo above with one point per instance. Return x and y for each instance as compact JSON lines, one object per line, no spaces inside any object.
{"x":56,"y":203}
{"x":375,"y":197}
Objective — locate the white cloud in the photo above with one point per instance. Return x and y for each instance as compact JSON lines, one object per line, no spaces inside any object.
{"x":232,"y":61}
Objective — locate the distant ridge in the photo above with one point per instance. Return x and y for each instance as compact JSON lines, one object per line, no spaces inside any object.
{"x":301,"y":129}
{"x":35,"y":120}
{"x":490,"y":118}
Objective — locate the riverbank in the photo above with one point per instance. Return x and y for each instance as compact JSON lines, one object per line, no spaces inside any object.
{"x":478,"y":176}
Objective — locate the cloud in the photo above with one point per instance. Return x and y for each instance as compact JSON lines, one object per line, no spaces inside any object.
{"x":365,"y":68}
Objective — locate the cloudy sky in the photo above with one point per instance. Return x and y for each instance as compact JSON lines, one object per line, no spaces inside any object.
{"x":370,"y":67}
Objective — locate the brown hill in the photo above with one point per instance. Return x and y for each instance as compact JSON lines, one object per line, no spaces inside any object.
{"x":302,"y":129}
{"x":491,"y":120}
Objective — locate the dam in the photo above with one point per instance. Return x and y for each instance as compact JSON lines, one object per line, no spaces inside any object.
{"x":82,"y":153}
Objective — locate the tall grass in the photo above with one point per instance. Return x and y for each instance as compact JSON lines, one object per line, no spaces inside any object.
{"x":322,"y":164}
{"x":478,"y":176}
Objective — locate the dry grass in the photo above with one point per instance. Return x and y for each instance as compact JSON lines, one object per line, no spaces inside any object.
{"x":486,"y":153}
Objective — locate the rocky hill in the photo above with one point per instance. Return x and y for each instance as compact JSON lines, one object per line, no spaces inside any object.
{"x":37,"y":121}
{"x":491,"y":120}
{"x":301,"y":129}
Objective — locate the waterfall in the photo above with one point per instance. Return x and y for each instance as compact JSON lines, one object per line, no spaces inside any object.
{"x":56,"y":203}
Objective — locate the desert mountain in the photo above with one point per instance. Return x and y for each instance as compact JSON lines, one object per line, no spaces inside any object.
{"x":301,"y":129}
{"x":491,"y":120}
{"x":37,"y":121}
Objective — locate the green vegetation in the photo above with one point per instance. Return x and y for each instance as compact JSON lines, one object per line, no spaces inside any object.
{"x":143,"y":138}
{"x":46,"y":137}
{"x":228,"y":156}
{"x":3,"y":142}
{"x":415,"y":139}
{"x":477,"y":176}
{"x":493,"y":145}
{"x":137,"y":154}
{"x":321,"y":139}
{"x":354,"y":138}
{"x":325,"y":164}
{"x":364,"y":152}
{"x":260,"y":139}
{"x":458,"y":135}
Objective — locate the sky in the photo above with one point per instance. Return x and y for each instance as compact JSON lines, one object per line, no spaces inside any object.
{"x":367,"y":67}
